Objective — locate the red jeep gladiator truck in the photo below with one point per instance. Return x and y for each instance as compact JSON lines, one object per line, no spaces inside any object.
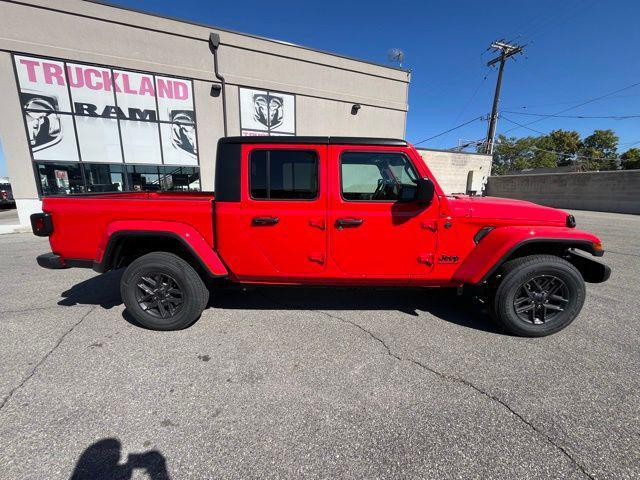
{"x":325,"y":211}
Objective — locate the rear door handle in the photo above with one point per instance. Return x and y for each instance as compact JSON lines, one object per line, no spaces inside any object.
{"x":348,"y":222}
{"x":265,"y":220}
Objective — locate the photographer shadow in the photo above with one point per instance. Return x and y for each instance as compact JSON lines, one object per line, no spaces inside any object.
{"x":101,"y":461}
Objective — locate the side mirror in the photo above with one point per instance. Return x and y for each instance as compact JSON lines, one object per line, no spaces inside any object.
{"x":424,"y":191}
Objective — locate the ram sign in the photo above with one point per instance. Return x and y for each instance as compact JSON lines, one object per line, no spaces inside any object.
{"x":77,"y":112}
{"x":267,"y":113}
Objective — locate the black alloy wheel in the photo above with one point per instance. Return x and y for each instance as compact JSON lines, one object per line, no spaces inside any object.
{"x":163,"y":291}
{"x":537,"y":295}
{"x":160,"y":295}
{"x":541,"y":299}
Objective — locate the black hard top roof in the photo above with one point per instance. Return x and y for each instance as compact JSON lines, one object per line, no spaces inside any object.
{"x":391,"y":142}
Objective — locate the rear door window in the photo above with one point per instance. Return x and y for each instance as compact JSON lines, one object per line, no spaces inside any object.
{"x":283,"y":174}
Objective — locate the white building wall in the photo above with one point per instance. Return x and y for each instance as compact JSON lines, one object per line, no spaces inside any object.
{"x":325,"y":85}
{"x":454,"y":169}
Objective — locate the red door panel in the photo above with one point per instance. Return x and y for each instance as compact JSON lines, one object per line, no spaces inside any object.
{"x":291,"y":233}
{"x":376,"y":238}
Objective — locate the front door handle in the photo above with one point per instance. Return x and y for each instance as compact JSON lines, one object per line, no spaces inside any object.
{"x":348,"y":222}
{"x":265,"y":220}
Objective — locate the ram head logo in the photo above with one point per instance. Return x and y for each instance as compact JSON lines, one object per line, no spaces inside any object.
{"x":183,"y":131}
{"x":43,"y":120}
{"x":268,"y":110}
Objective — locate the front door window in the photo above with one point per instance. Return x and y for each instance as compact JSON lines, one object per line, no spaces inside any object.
{"x":376,"y":176}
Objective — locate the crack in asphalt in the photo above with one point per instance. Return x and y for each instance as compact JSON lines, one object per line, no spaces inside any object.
{"x":624,"y":253}
{"x":30,"y":309}
{"x":467,"y":383}
{"x":43,"y":359}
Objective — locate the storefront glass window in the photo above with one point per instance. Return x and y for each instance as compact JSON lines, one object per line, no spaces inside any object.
{"x":60,"y":178}
{"x":104,"y":178}
{"x":151,"y":178}
{"x":179,"y":178}
{"x":143,"y":178}
{"x":67,"y":178}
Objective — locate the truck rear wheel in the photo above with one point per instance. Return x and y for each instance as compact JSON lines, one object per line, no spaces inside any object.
{"x":538,"y":295}
{"x":163,"y":292}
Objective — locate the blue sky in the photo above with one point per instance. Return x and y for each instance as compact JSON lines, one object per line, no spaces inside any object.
{"x":577,"y":50}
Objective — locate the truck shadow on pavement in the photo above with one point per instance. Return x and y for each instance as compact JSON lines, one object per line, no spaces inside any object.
{"x":443,"y":303}
{"x":101,"y":461}
{"x":102,"y":290}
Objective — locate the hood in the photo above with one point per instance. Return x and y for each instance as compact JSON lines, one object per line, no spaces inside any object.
{"x":505,"y":209}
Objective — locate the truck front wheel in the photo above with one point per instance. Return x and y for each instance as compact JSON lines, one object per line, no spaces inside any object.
{"x":538,"y":295}
{"x":163,"y":292}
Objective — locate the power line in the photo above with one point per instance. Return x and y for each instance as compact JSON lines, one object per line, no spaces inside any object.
{"x":626,"y":145}
{"x":577,"y":106}
{"x":551,"y":115}
{"x":450,"y":130}
{"x":473,"y":95}
{"x":571,"y":102}
{"x":540,"y":24}
{"x":520,"y":125}
{"x":557,"y":18}
{"x":468,"y":143}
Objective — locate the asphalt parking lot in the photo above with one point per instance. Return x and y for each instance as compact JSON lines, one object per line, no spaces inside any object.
{"x":8,"y":216}
{"x":315,"y":383}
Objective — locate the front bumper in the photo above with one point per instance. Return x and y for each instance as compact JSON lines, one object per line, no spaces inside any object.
{"x":592,"y":271}
{"x":51,"y":260}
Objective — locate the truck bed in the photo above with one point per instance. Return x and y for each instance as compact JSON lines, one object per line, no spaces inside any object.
{"x":83,"y":223}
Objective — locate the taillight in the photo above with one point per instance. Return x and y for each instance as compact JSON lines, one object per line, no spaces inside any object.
{"x":4,"y":195}
{"x":41,"y":224}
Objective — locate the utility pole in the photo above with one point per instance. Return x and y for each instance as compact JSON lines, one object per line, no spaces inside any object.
{"x":506,"y":51}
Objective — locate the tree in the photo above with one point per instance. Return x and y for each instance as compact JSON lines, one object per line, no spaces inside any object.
{"x":566,"y":142}
{"x":543,"y":153}
{"x":546,"y":151}
{"x":631,"y":159}
{"x":511,"y":153}
{"x":600,"y":150}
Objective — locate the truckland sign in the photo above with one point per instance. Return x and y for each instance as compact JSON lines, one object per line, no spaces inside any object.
{"x":77,"y":112}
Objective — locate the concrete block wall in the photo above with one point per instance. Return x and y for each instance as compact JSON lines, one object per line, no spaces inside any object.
{"x":616,"y":191}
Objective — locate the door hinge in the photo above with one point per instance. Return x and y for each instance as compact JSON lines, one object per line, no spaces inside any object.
{"x":426,"y":258}
{"x":433,"y":226}
{"x":317,"y":223}
{"x":317,"y":258}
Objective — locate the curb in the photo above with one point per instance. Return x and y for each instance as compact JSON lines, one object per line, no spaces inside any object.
{"x":6,"y":229}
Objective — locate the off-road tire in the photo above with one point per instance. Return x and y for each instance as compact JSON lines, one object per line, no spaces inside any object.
{"x":510,"y":282}
{"x":182,"y":277}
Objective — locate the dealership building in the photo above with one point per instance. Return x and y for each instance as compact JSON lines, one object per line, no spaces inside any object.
{"x":100,"y":98}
